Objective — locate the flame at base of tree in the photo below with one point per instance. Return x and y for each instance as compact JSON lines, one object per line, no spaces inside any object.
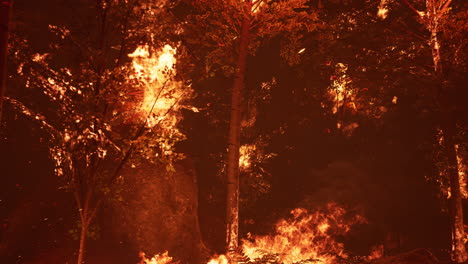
{"x":301,"y":238}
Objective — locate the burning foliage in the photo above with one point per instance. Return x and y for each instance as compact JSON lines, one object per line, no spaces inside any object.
{"x":157,"y":101}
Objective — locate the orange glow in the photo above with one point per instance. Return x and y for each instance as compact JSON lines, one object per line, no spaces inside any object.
{"x":376,"y":252}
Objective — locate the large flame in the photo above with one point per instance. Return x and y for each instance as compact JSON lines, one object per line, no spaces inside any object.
{"x":305,"y":236}
{"x":162,"y":94}
{"x":159,"y":97}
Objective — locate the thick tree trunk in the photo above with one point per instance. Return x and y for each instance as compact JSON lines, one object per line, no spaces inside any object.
{"x":456,"y":206}
{"x":5,"y":10}
{"x":232,"y":206}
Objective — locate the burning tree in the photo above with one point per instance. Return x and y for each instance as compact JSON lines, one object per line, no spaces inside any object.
{"x":427,"y":53}
{"x":106,"y":106}
{"x":435,"y":18}
{"x":237,"y":29}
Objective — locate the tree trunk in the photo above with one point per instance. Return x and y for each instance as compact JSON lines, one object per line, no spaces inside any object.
{"x":84,"y":231}
{"x":435,"y":10}
{"x":5,"y":10}
{"x":232,"y":206}
{"x":456,"y":206}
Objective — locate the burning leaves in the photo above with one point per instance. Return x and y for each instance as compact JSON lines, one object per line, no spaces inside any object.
{"x":245,"y":158}
{"x":343,"y":97}
{"x":163,"y":96}
{"x":158,"y":101}
{"x":340,"y":91}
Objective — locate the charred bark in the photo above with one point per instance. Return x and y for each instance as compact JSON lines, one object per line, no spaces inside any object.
{"x":5,"y":11}
{"x":232,"y":206}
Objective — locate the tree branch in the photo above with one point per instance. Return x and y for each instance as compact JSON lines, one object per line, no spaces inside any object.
{"x":412,"y":8}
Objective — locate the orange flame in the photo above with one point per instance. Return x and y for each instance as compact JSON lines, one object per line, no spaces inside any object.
{"x":221,"y":259}
{"x":376,"y":252}
{"x":163,"y":95}
{"x":245,"y":156}
{"x":462,"y":169}
{"x":340,"y":91}
{"x":305,"y":236}
{"x":163,"y":258}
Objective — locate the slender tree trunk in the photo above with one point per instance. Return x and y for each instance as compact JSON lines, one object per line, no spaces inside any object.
{"x":84,"y":231}
{"x":459,"y":254}
{"x":232,"y":207}
{"x":5,"y":11}
{"x":435,"y":10}
{"x":86,"y":213}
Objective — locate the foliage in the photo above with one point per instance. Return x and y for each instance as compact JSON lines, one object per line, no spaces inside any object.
{"x":93,"y":117}
{"x":214,"y":30}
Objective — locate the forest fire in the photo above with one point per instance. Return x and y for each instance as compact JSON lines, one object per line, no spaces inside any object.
{"x":177,"y":127}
